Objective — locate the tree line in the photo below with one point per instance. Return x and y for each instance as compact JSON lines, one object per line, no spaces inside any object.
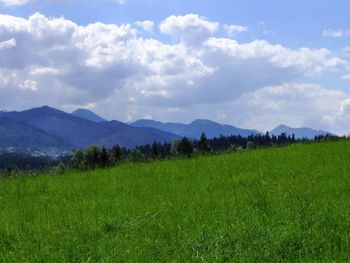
{"x":95,"y":157}
{"x":12,"y":162}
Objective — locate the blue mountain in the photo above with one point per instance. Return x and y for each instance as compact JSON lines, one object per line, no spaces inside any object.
{"x":23,"y":137}
{"x":75,"y":131}
{"x":88,"y":115}
{"x":133,"y":136}
{"x":46,"y":127}
{"x":298,"y":132}
{"x":195,"y":128}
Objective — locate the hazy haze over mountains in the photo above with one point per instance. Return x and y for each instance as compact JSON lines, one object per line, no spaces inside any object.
{"x":298,"y":132}
{"x":45,"y":127}
{"x":195,"y":128}
{"x":88,"y":115}
{"x":23,"y":136}
{"x":75,"y":131}
{"x":213,"y":129}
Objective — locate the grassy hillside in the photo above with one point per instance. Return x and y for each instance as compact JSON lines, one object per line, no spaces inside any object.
{"x":281,"y":204}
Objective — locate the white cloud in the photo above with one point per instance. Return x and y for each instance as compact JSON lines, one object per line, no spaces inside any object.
{"x":13,"y":2}
{"x":29,"y":85}
{"x":297,"y":105}
{"x":8,"y":44}
{"x":146,"y":25}
{"x":233,"y":30}
{"x":57,"y":62}
{"x":191,"y":28}
{"x":346,"y":77}
{"x":339,"y":33}
{"x":340,"y":120}
{"x":302,"y":61}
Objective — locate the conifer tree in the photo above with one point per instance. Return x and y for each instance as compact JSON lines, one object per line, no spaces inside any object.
{"x":203,"y":144}
{"x":155,"y":150}
{"x":104,"y":158}
{"x":185,"y":147}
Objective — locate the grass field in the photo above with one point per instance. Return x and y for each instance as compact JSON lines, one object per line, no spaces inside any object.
{"x":272,"y":205}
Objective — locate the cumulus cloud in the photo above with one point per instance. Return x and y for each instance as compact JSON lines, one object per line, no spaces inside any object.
{"x":8,"y":44}
{"x":191,"y":28}
{"x":298,"y":105}
{"x":146,"y":25}
{"x":340,"y":120}
{"x":125,"y":76}
{"x":336,"y":33}
{"x":293,"y":104}
{"x":29,"y":85}
{"x":233,"y":30}
{"x":13,"y":2}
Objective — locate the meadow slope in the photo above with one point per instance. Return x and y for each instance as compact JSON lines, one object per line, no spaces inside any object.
{"x":280,"y":204}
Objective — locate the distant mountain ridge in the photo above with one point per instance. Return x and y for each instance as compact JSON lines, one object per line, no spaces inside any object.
{"x":21,"y":136}
{"x":46,"y":127}
{"x":298,"y":132}
{"x":195,"y":128}
{"x":75,"y":131}
{"x":88,"y":115}
{"x":213,"y":129}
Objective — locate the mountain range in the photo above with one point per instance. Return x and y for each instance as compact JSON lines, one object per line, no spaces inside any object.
{"x":213,"y":129}
{"x":88,"y":115}
{"x":195,"y":128}
{"x":45,"y":128}
{"x":14,"y":134}
{"x":298,"y":132}
{"x":64,"y":130}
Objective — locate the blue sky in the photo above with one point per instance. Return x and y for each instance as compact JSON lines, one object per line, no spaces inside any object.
{"x":282,"y":62}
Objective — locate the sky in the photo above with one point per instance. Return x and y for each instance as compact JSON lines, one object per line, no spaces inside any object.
{"x":252,"y":64}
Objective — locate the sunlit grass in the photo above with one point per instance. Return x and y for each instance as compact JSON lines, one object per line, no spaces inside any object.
{"x":281,"y":204}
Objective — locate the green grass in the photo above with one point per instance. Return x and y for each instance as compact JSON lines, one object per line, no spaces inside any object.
{"x":272,"y":205}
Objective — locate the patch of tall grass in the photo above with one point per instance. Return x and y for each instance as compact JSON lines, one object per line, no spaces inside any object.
{"x":270,"y":205}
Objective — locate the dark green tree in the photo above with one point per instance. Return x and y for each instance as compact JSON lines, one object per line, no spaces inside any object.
{"x":136,"y":155}
{"x":203,"y":144}
{"x":293,"y":137}
{"x":155,"y":152}
{"x":282,"y":138}
{"x":104,"y":158}
{"x":92,"y":157}
{"x":185,"y":147}
{"x":77,"y":161}
{"x":116,"y":154}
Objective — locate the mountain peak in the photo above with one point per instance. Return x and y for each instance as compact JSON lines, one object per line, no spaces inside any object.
{"x":44,"y":107}
{"x":146,"y":121}
{"x":88,"y":115}
{"x":203,"y":121}
{"x":302,"y":132}
{"x":196,"y":128}
{"x":283,"y":126}
{"x":33,"y":113}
